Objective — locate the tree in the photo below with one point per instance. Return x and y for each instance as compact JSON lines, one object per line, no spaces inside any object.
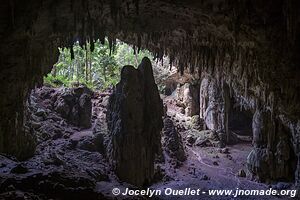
{"x":98,"y":69}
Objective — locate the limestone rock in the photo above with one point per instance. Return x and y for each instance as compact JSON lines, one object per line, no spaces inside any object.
{"x":202,"y":138}
{"x":214,"y":104}
{"x":172,"y":142}
{"x":188,"y":98}
{"x":134,"y":119}
{"x":272,"y":157}
{"x":75,"y":106}
{"x":242,"y":173}
{"x":85,"y":110}
{"x":200,"y":37}
{"x":259,"y":162}
{"x":259,"y":129}
{"x":197,"y":123}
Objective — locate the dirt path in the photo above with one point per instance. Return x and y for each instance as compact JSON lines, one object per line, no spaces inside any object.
{"x":223,"y":176}
{"x":226,"y":171}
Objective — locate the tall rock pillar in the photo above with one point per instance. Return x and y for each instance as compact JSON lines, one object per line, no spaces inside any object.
{"x":134,"y":117}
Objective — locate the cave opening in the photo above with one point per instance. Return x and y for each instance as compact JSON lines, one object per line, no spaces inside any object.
{"x":96,"y":65}
{"x":240,"y":121}
{"x":215,"y":105}
{"x":73,"y":98}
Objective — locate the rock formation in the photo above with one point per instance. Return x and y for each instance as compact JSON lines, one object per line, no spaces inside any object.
{"x":50,"y":110}
{"x":67,"y":161}
{"x":203,"y":138}
{"x":75,"y":106}
{"x":188,"y":96}
{"x":212,"y":104}
{"x":272,"y":157}
{"x":215,"y":105}
{"x":252,"y":46}
{"x":172,"y":142}
{"x":134,"y":118}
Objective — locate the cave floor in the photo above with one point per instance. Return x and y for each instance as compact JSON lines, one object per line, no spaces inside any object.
{"x":207,"y":168}
{"x":199,"y":171}
{"x":70,"y":167}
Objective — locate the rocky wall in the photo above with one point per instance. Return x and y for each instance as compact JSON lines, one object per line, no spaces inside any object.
{"x":188,"y":98}
{"x":74,"y":105}
{"x":19,"y":74}
{"x":215,"y":105}
{"x":274,"y":156}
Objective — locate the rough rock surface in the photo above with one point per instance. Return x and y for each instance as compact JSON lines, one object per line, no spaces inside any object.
{"x":188,"y":94}
{"x":197,"y":123}
{"x":172,"y":141}
{"x":202,"y":138}
{"x":134,"y":119}
{"x":273,"y":157}
{"x":42,"y":121}
{"x":75,"y":105}
{"x":214,"y":105}
{"x":67,"y":161}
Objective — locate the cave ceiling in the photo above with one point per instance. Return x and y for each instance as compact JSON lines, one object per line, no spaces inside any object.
{"x":253,"y":45}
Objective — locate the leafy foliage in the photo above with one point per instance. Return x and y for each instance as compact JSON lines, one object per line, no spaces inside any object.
{"x":98,"y":69}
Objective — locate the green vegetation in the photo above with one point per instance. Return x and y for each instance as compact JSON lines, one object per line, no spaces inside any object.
{"x":98,"y":69}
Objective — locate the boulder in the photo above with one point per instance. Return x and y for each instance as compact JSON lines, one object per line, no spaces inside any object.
{"x":197,"y":123}
{"x":202,"y":138}
{"x":75,"y":106}
{"x":242,"y":173}
{"x":172,"y":142}
{"x":203,"y":142}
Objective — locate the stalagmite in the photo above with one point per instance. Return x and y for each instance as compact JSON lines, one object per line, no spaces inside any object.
{"x":135,"y":120}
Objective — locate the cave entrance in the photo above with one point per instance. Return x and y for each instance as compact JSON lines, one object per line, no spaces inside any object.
{"x":76,"y":91}
{"x":75,"y":94}
{"x":70,"y":114}
{"x":98,"y":65}
{"x":95,"y":65}
{"x":240,"y":122}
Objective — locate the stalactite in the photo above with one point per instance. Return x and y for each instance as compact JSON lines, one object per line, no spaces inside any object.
{"x":134,"y":50}
{"x":136,"y":3}
{"x":114,"y":8}
{"x":246,"y":88}
{"x":72,"y":52}
{"x":139,"y":43}
{"x":92,"y":45}
{"x":111,"y":45}
{"x":171,"y":59}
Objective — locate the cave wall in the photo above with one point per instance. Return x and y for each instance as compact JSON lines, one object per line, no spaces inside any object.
{"x":215,"y":105}
{"x":252,"y":46}
{"x":19,"y":74}
{"x":274,"y":156}
{"x":188,"y":97}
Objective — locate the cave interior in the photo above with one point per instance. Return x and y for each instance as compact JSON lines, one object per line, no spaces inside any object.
{"x":228,"y":116}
